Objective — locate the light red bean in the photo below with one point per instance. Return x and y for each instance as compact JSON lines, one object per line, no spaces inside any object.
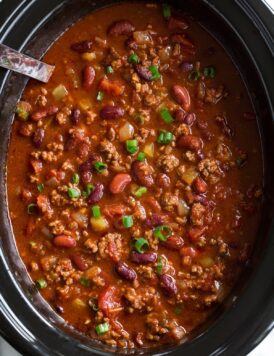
{"x":121,"y":27}
{"x":119,"y":183}
{"x":64,"y":241}
{"x":88,"y":77}
{"x":79,"y":262}
{"x":181,"y":95}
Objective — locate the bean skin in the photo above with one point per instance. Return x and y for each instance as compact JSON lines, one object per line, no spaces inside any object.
{"x":173,"y":243}
{"x":125,"y":271}
{"x":38,"y":137}
{"x":121,"y":27}
{"x":143,"y":258}
{"x":82,"y":47}
{"x":181,"y":95}
{"x":199,"y":185}
{"x":168,"y":285}
{"x":42,"y":113}
{"x":119,"y":183}
{"x":96,"y":194}
{"x":64,"y":241}
{"x":190,"y":142}
{"x":88,"y":77}
{"x":143,"y":72}
{"x":142,"y":173}
{"x":75,"y":116}
{"x":110,"y":112}
{"x":79,"y":262}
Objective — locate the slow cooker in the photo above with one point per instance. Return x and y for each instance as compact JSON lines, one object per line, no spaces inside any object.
{"x":246,"y":29}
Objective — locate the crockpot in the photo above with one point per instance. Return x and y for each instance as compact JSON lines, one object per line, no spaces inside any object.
{"x":246,"y":30}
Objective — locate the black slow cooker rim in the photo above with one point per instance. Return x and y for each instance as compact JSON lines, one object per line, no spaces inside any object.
{"x":11,"y":329}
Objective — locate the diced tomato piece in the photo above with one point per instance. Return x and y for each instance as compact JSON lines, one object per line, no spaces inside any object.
{"x":113,"y":88}
{"x":115,"y":209}
{"x":195,"y":232}
{"x":109,"y":302}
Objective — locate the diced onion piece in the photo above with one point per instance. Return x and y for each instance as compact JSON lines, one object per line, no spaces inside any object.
{"x":45,"y":231}
{"x":126,"y":132}
{"x":142,"y":37}
{"x":165,"y":53}
{"x":149,"y":149}
{"x":84,"y":104}
{"x":80,"y":218}
{"x":189,"y":175}
{"x":89,"y":56}
{"x":99,"y":224}
{"x":206,"y":261}
{"x":100,"y":41}
{"x":183,"y":208}
{"x":59,"y":92}
{"x":78,"y":303}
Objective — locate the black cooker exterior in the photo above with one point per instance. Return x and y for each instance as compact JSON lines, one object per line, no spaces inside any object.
{"x":246,"y":28}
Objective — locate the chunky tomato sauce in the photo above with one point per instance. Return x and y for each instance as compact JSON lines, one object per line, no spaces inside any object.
{"x":134,"y":176}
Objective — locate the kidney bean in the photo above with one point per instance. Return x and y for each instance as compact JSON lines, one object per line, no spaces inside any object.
{"x":180,"y":115}
{"x":176,"y":23}
{"x":88,"y":164}
{"x":38,"y":137}
{"x":42,"y":113}
{"x":79,"y":262}
{"x":121,"y":27}
{"x":186,"y":67}
{"x":183,"y":39}
{"x":154,"y":220}
{"x":75,"y":116}
{"x":143,"y":258}
{"x":143,"y":72}
{"x":190,"y":142}
{"x":174,"y":243}
{"x":199,"y":185}
{"x":131,"y":43}
{"x":82,"y":47}
{"x":181,"y":95}
{"x":190,"y":119}
{"x":168,"y":285}
{"x":163,"y":181}
{"x":226,"y":129}
{"x":96,"y":194}
{"x":194,"y":233}
{"x":119,"y":183}
{"x":117,"y":209}
{"x":110,"y":112}
{"x":64,"y":241}
{"x":88,"y":77}
{"x":125,"y":271}
{"x":141,"y":172}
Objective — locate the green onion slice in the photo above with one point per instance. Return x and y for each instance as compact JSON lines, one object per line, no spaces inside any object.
{"x":166,"y":116}
{"x":133,"y":58}
{"x":85,"y":282}
{"x":155,"y":72}
{"x":102,"y":328}
{"x":32,"y":208}
{"x":75,"y":178}
{"x":162,"y":232}
{"x":132,"y":146}
{"x":100,"y":96}
{"x":40,"y":187}
{"x":194,"y":75}
{"x":41,"y":283}
{"x":100,"y":166}
{"x":109,"y":70}
{"x":141,"y":156}
{"x":166,"y":11}
{"x":139,"y":192}
{"x":93,"y":303}
{"x":141,"y":244}
{"x":96,"y":211}
{"x":159,"y":265}
{"x":74,"y":193}
{"x":127,"y":221}
{"x":165,"y":137}
{"x":89,"y":188}
{"x":210,"y":72}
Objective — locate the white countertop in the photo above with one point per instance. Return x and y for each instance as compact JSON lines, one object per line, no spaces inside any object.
{"x":263,"y":349}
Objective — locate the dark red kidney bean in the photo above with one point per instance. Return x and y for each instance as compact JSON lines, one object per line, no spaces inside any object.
{"x":131,"y":43}
{"x":79,"y":262}
{"x":143,"y":72}
{"x":38,"y":137}
{"x":154,"y":220}
{"x":168,"y":285}
{"x":190,"y":119}
{"x":86,"y":177}
{"x":207,"y":135}
{"x":75,"y":116}
{"x":119,"y":183}
{"x":199,"y":185}
{"x":96,"y":194}
{"x":202,"y":125}
{"x":42,"y":113}
{"x":143,"y":258}
{"x":82,"y":47}
{"x":190,"y":142}
{"x":64,"y":241}
{"x":177,"y":23}
{"x":141,"y":172}
{"x":200,"y":155}
{"x":180,"y":115}
{"x":125,"y":271}
{"x":181,"y":95}
{"x":121,"y":27}
{"x":226,"y":129}
{"x":186,"y":67}
{"x":110,"y":112}
{"x":163,"y":181}
{"x":88,"y":164}
{"x":88,"y":77}
{"x":173,"y":243}
{"x":183,"y":39}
